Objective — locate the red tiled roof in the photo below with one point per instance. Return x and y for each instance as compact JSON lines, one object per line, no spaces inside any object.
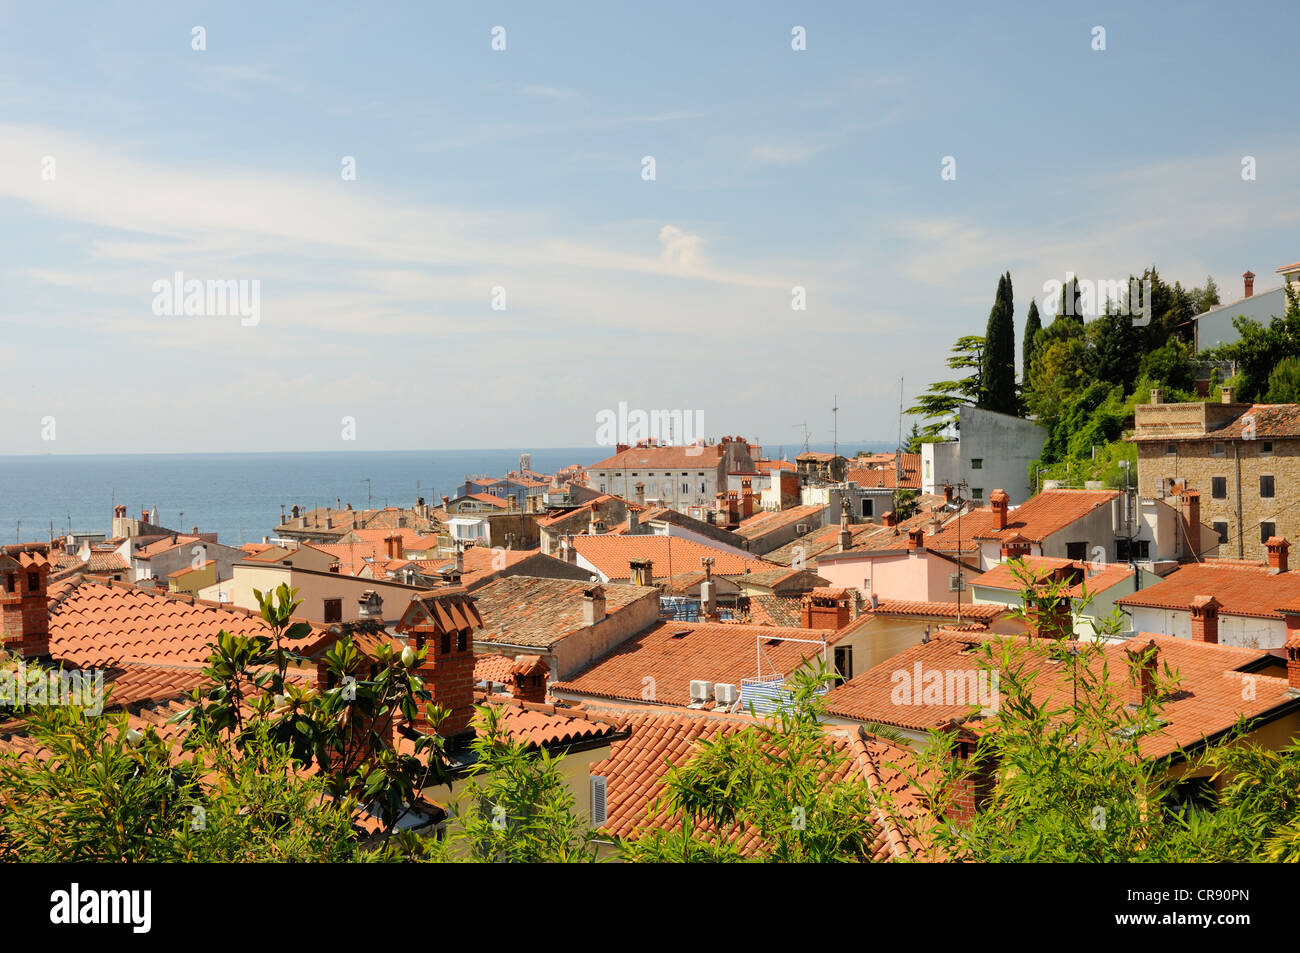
{"x":189,"y":569}
{"x":673,"y":654}
{"x":101,"y":624}
{"x":545,"y":726}
{"x":493,"y":667}
{"x":768,"y":521}
{"x":612,"y":555}
{"x":1098,"y":577}
{"x":885,"y":473}
{"x":536,"y":612}
{"x":938,"y":610}
{"x":1242,"y":589}
{"x":662,"y":458}
{"x":1210,"y":699}
{"x":162,"y":546}
{"x":637,"y":765}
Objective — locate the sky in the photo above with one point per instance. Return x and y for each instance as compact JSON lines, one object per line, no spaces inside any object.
{"x":501,"y":268}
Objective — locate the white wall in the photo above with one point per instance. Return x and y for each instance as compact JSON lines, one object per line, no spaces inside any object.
{"x":1005,"y":445}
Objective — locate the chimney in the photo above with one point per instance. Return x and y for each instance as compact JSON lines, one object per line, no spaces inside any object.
{"x":1226,"y":394}
{"x":999,"y":500}
{"x":916,"y":538}
{"x":633,"y":522}
{"x":119,"y":511}
{"x":1049,"y":617}
{"x":1292,"y":658}
{"x":1248,"y":279}
{"x":1193,"y":500}
{"x":888,"y":518}
{"x":1277,"y":554}
{"x":445,"y":501}
{"x":448,"y":669}
{"x":825,"y":609}
{"x":570,"y":554}
{"x":1205,"y":619}
{"x":642,"y":572}
{"x":528,"y":678}
{"x":1017,"y":547}
{"x":746,"y":499}
{"x":1155,"y":395}
{"x":974,"y":786}
{"x":846,"y":538}
{"x":1146,"y":661}
{"x":709,"y":601}
{"x":24,"y":611}
{"x":640,"y":494}
{"x":593,"y":606}
{"x":458,"y":561}
{"x":947,"y":493}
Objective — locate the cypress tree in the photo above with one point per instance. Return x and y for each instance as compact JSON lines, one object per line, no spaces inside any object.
{"x":999,"y":375}
{"x":1033,"y":324}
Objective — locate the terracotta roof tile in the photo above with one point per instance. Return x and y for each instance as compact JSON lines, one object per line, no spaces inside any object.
{"x":536,"y":612}
{"x":1242,"y":589}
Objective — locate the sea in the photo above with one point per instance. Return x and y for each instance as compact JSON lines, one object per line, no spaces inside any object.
{"x":239,"y":495}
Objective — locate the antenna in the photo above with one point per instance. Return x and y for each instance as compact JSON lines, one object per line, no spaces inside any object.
{"x":835,"y":413}
{"x":804,"y":426}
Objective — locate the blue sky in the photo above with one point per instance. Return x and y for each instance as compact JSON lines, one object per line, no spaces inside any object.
{"x":522,"y":169}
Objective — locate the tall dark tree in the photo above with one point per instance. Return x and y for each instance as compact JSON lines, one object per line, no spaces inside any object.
{"x":942,"y":403}
{"x":1033,"y":324}
{"x":999,"y":371}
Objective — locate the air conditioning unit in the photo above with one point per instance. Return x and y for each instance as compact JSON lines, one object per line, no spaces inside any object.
{"x":802,"y":529}
{"x":701,"y":691}
{"x":726,"y":694}
{"x":954,"y":582}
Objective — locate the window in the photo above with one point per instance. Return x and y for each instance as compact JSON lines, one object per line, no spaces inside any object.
{"x":598,"y":808}
{"x":1171,"y":449}
{"x":686,"y":488}
{"x":1077,"y":551}
{"x":1222,"y":529}
{"x":1266,"y":447}
{"x":1266,"y":531}
{"x":1265,"y":486}
{"x":333,"y":610}
{"x":33,"y":581}
{"x":1219,"y":487}
{"x":977,"y":463}
{"x":1218,"y":450}
{"x":602,"y":488}
{"x":868,"y":507}
{"x":927,"y":467}
{"x":1140,"y":549}
{"x":702,"y":489}
{"x":844,"y":662}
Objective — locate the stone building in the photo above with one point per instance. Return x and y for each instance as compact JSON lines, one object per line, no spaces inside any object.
{"x":1242,"y":459}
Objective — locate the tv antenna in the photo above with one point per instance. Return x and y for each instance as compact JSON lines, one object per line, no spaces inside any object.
{"x":835,"y":413}
{"x":804,"y":427}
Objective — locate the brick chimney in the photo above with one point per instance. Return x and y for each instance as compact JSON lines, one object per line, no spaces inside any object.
{"x":746,"y":499}
{"x":444,"y":625}
{"x":1225,"y":394}
{"x":528,"y":678}
{"x":1193,"y":500}
{"x":975,"y":784}
{"x":999,"y":500}
{"x":1146,"y":660}
{"x":916,"y":538}
{"x":1205,"y":619}
{"x":888,"y":518}
{"x":826,"y":609}
{"x":24,"y":612}
{"x":593,"y":605}
{"x":1292,"y":657}
{"x":1248,"y":280}
{"x":1017,"y":547}
{"x":642,"y":572}
{"x":1277,"y":554}
{"x":1049,"y":617}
